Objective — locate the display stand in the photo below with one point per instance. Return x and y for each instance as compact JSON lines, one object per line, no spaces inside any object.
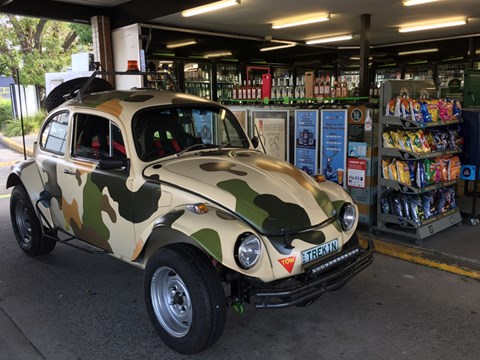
{"x":386,"y":222}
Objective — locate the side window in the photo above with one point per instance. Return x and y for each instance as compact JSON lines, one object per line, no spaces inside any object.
{"x":54,"y":134}
{"x":96,"y":137}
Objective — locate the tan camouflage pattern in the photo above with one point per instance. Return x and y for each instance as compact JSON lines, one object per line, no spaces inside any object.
{"x":245,"y":191}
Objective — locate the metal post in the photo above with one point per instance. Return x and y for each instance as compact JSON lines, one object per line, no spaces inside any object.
{"x":364,"y":54}
{"x":21,"y":116}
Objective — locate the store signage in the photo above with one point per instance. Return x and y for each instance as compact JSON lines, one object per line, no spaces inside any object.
{"x":356,"y":123}
{"x":467,"y":172}
{"x":357,"y":149}
{"x":333,"y":145}
{"x":356,"y":172}
{"x":306,"y":141}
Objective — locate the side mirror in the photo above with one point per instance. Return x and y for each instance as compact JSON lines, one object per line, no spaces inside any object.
{"x":254,"y":141}
{"x":111,"y":163}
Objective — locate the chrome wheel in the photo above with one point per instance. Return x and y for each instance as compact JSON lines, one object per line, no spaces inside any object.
{"x":171,"y":301}
{"x":24,"y":224}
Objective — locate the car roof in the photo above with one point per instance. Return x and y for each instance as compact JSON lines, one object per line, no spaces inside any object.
{"x":125,"y":103}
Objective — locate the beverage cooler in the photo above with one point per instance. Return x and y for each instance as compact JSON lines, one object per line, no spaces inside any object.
{"x":198,"y":79}
{"x":419,"y":72}
{"x":156,"y":79}
{"x":228,"y":79}
{"x":385,"y":74}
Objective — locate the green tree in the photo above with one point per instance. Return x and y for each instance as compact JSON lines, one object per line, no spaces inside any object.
{"x":36,"y":46}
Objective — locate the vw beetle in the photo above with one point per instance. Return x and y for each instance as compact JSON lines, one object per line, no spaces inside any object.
{"x":170,"y":183}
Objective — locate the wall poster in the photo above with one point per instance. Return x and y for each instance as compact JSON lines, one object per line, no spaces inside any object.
{"x":271,"y":128}
{"x":333,"y":147}
{"x":306,"y":141}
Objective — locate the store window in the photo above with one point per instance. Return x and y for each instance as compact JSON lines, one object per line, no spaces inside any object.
{"x":96,"y":137}
{"x":54,"y":133}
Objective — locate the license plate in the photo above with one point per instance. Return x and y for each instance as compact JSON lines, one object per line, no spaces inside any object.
{"x":319,"y":251}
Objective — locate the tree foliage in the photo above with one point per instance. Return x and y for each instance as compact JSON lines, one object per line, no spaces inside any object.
{"x":36,"y":46}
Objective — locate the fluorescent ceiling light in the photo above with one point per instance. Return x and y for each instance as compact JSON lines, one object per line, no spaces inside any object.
{"x":278,"y":47}
{"x":358,"y":58}
{"x":329,"y":39}
{"x":417,"y":2}
{"x":181,"y":44}
{"x":297,"y":21}
{"x":210,"y":7}
{"x":430,"y":25}
{"x":218,"y":54}
{"x":423,"y":51}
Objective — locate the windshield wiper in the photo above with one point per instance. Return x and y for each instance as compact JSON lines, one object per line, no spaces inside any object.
{"x":224,"y":145}
{"x":194,"y":146}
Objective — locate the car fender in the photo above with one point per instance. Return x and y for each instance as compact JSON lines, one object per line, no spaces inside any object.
{"x":215,"y":232}
{"x":26,"y":173}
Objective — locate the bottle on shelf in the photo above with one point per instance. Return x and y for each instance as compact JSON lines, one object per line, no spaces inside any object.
{"x":259,"y":89}
{"x":368,"y":121}
{"x":249,"y":90}
{"x":244,"y":90}
{"x":327,"y":85}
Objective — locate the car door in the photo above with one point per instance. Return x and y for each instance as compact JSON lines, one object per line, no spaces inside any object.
{"x":96,"y":204}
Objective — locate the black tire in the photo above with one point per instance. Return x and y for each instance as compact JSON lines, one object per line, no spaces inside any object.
{"x":58,"y":95}
{"x":26,"y":226}
{"x":190,"y":318}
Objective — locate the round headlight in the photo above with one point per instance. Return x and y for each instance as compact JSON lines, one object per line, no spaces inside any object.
{"x":249,"y":248}
{"x":348,"y":216}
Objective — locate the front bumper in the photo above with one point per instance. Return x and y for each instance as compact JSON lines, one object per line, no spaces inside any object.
{"x":328,"y":275}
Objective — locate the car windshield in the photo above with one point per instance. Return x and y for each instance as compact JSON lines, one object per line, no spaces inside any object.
{"x":164,"y":131}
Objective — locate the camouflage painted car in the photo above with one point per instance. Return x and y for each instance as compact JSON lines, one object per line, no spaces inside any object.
{"x":135,"y":175}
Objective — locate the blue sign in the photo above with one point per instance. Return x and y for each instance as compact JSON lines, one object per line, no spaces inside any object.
{"x":306,"y":140}
{"x":333,"y":144}
{"x":467,"y":172}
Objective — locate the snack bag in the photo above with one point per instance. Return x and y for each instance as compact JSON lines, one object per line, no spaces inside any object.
{"x":427,"y":202}
{"x":404,"y":141}
{"x":430,"y":139}
{"x":395,"y":135}
{"x":405,"y":108}
{"x":456,"y":140}
{"x":432,"y":108}
{"x":384,"y":203}
{"x":424,"y":110}
{"x":457,"y":109}
{"x":387,"y":140}
{"x":392,"y":170}
{"x":438,"y":170}
{"x":415,"y":142}
{"x":450,"y":198}
{"x":403,"y":172}
{"x":441,"y":141}
{"x":416,"y":209}
{"x":454,"y":166}
{"x":385,"y":174}
{"x":420,"y":176}
{"x":404,"y":200}
{"x":445,"y":110}
{"x":390,"y":107}
{"x":423,"y":141}
{"x":441,"y":202}
{"x":397,"y":207}
{"x":416,"y":111}
{"x":412,"y":167}
{"x":430,"y":170}
{"x":442,"y":163}
{"x":398,"y":106}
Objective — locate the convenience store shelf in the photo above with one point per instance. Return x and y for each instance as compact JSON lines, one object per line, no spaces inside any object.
{"x":410,"y":124}
{"x":410,"y":189}
{"x":408,"y":155}
{"x":418,"y":231}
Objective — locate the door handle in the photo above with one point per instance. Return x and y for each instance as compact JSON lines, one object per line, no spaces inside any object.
{"x":68,"y":172}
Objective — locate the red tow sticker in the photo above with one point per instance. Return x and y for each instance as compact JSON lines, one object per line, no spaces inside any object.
{"x":288,"y":263}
